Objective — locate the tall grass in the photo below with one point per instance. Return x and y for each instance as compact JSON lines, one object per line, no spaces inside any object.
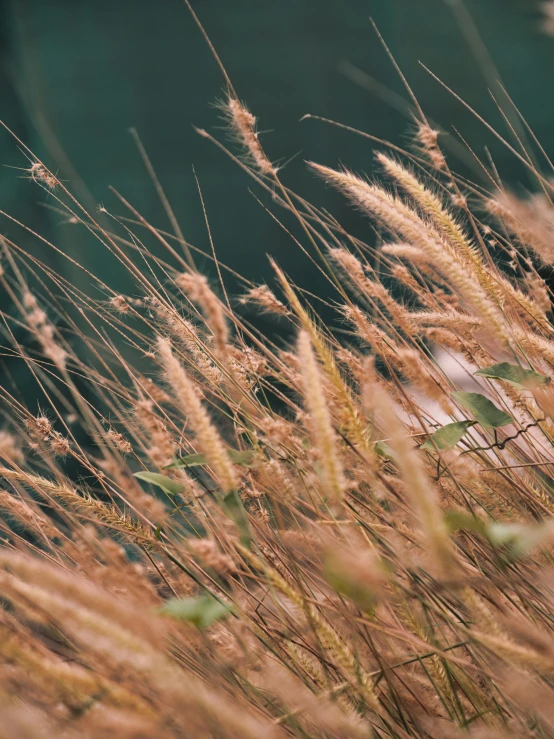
{"x":346,"y":534}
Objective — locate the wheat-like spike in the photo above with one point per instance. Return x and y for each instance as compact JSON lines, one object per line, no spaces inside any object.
{"x":83,"y":504}
{"x":396,"y":216}
{"x":355,"y":429}
{"x":319,"y":419}
{"x":433,"y":206}
{"x":186,"y":395}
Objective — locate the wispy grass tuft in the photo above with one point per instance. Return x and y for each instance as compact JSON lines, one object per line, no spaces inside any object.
{"x":346,"y":531}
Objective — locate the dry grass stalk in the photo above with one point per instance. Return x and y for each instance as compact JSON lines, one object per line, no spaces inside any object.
{"x":324,"y":539}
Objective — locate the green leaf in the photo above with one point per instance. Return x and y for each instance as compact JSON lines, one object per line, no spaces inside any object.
{"x":384,"y":450}
{"x":169,"y":486}
{"x":519,"y":539}
{"x":514,"y":374}
{"x":233,"y":507}
{"x":501,"y":534}
{"x":482,"y":409}
{"x":448,"y":436}
{"x":202,"y":611}
{"x":245,"y":458}
{"x":456,"y":520}
{"x":191,"y":460}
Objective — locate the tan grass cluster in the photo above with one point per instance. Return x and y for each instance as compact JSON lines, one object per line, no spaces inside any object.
{"x":206,"y":533}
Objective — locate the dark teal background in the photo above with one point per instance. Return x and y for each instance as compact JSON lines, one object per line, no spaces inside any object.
{"x":76,"y":74}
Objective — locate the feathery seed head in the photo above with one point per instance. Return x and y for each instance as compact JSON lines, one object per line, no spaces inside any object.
{"x":243,"y":126}
{"x":199,"y":291}
{"x":319,"y":420}
{"x":187,"y":397}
